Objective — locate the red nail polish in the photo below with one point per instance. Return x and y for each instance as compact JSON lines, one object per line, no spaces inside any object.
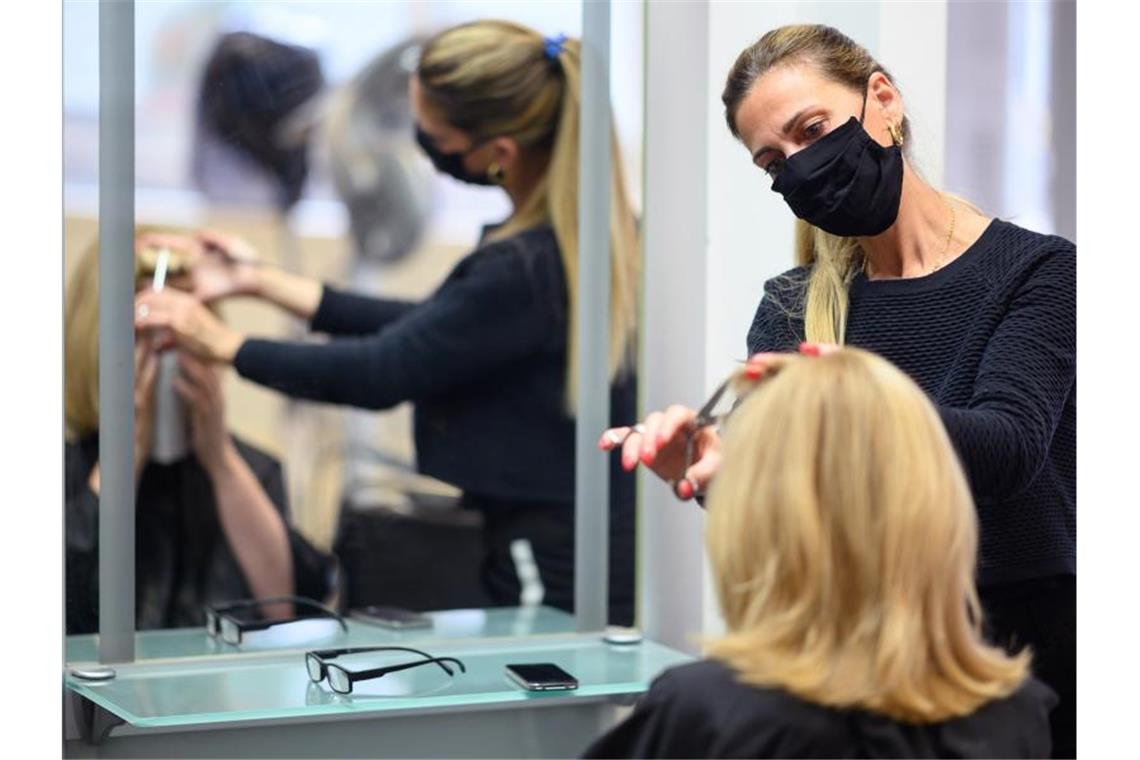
{"x":647,"y":457}
{"x":753,"y":371}
{"x":809,"y":349}
{"x":685,"y":489}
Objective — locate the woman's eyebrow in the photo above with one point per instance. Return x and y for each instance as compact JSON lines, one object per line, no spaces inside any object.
{"x":785,"y":130}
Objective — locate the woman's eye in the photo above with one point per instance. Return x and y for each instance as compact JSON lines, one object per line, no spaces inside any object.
{"x":814,"y":130}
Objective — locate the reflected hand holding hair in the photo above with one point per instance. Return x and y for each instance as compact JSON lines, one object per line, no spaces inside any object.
{"x":188,"y":323}
{"x":679,"y":448}
{"x":227,"y":266}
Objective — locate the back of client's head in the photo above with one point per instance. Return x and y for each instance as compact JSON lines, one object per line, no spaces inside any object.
{"x":843,"y":539}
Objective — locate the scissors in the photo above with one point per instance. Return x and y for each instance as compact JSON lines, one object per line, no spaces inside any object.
{"x":704,"y":418}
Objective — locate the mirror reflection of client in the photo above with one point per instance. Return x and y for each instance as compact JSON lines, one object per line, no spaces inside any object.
{"x":843,"y":560}
{"x":211,"y":515}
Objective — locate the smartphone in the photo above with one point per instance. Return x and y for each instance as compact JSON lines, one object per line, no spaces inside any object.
{"x":541,"y":676}
{"x":391,"y":617}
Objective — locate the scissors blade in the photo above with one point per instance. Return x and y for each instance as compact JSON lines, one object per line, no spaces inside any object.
{"x":705,"y":415}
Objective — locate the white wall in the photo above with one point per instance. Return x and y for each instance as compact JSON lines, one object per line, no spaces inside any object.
{"x":706,"y":269}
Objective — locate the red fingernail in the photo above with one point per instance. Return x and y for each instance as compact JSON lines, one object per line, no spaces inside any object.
{"x":647,"y":457}
{"x":809,"y":349}
{"x":685,"y":489}
{"x":753,"y":371}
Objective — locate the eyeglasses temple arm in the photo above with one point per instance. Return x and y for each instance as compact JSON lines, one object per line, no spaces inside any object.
{"x":328,"y":654}
{"x":375,"y":672}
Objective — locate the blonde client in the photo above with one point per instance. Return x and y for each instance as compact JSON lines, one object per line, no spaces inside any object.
{"x":211,"y":516}
{"x":843,"y":542}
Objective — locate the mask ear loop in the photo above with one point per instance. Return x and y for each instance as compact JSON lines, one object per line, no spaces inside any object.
{"x":863,"y":110}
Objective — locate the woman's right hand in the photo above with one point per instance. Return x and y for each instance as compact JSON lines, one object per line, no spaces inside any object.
{"x":659,"y":443}
{"x":179,"y":319}
{"x":227,"y":266}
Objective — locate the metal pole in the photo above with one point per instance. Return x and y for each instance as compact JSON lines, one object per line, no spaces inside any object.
{"x":116,"y":331}
{"x":591,"y":494}
{"x":670,"y":568}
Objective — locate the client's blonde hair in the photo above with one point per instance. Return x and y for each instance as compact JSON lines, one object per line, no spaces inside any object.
{"x":843,"y":541}
{"x":81,"y":332}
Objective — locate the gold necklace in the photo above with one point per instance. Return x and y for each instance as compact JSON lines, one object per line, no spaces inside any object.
{"x":945,"y":249}
{"x":949,"y":237}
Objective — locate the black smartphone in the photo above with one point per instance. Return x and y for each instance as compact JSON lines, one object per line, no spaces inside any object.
{"x":541,"y":676}
{"x":391,"y":617}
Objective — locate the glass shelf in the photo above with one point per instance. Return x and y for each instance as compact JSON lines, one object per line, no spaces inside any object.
{"x":491,"y":623}
{"x":276,"y":686}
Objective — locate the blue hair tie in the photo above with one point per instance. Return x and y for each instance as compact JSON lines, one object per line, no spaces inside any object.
{"x":553,"y":46}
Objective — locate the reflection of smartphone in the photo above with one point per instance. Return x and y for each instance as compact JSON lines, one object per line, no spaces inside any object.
{"x":542,"y":676}
{"x":391,"y":617}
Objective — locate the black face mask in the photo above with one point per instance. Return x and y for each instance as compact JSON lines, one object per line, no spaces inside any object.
{"x":450,"y":164}
{"x":844,"y":183}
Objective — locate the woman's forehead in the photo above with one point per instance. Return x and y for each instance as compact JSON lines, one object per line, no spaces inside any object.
{"x":779,"y":94}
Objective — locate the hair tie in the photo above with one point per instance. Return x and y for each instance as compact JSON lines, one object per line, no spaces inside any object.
{"x":552,"y":46}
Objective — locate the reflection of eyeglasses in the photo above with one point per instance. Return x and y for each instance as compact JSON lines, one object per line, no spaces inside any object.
{"x":341,"y":680}
{"x":219,"y":623}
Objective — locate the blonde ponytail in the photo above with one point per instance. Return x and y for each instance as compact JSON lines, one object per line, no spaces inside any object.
{"x":493,"y":78}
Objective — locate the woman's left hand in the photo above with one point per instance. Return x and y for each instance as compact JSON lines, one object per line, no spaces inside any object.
{"x":200,"y":387}
{"x":191,"y":326}
{"x":818,"y":349}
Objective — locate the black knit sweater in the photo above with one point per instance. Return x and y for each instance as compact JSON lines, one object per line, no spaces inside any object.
{"x":484,"y":360}
{"x":991,"y":337}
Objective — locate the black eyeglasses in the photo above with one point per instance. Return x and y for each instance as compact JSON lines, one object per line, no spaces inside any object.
{"x":341,"y":679}
{"x":221,"y":624}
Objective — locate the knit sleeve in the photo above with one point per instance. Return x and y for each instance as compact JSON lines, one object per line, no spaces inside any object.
{"x":341,"y":313}
{"x":1026,"y":376}
{"x":778,"y":323}
{"x":473,"y":325}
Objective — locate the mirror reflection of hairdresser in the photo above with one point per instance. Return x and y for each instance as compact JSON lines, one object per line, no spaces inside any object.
{"x":843,"y":561}
{"x":211,"y":519}
{"x":980,"y":312}
{"x":486,"y":359}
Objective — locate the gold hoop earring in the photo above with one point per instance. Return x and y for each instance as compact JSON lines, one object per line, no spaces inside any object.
{"x":496,"y":174}
{"x":896,"y":134}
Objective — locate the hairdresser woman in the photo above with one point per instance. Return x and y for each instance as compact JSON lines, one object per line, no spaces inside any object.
{"x":488,"y":357}
{"x":978,"y":311}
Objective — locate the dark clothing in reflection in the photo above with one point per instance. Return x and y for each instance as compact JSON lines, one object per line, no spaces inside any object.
{"x":484,"y":360}
{"x":549,"y":527}
{"x":182,"y":557}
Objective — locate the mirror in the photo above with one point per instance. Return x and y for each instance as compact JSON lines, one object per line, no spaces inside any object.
{"x":286,"y":131}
